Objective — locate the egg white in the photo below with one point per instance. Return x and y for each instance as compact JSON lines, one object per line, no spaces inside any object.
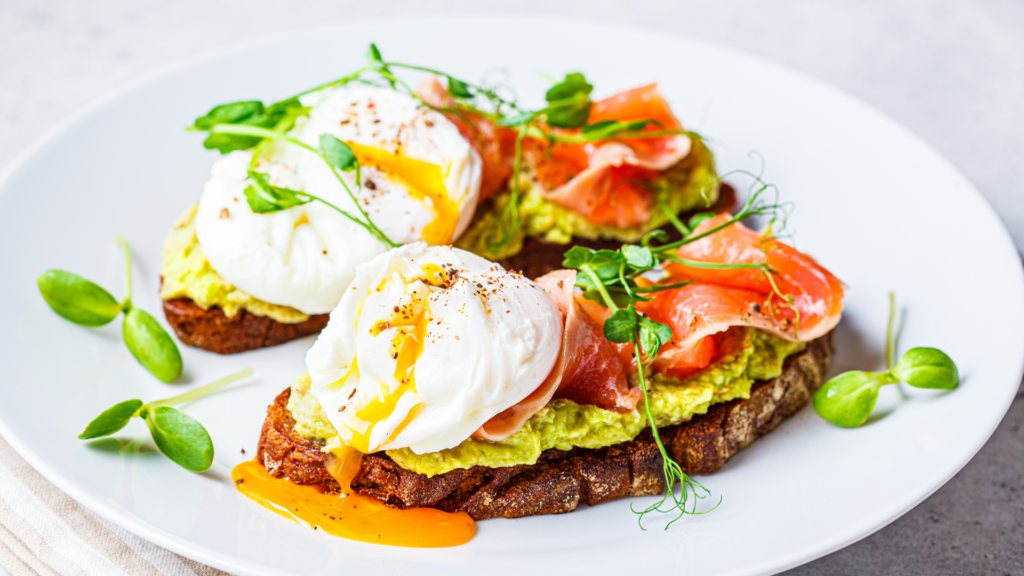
{"x":493,"y":338}
{"x":304,"y":257}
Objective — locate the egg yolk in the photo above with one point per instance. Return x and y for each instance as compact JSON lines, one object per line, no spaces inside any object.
{"x":406,"y":347}
{"x":424,"y":180}
{"x":352,"y":516}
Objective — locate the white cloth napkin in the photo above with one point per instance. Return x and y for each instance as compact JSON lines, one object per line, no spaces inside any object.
{"x":45,"y":532}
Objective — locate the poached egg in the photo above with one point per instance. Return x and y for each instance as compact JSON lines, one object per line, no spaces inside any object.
{"x":428,"y":344}
{"x":420,"y":180}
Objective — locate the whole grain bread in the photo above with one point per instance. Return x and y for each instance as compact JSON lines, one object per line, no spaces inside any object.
{"x":213,"y":330}
{"x":561,"y":480}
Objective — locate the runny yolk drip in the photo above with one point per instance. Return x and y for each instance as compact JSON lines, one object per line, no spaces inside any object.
{"x":352,"y":516}
{"x":406,"y":347}
{"x":424,"y":180}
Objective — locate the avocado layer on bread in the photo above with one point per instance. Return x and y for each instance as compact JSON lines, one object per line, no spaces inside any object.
{"x":746,"y":355}
{"x":691,"y":184}
{"x":186,"y":273}
{"x":560,"y":480}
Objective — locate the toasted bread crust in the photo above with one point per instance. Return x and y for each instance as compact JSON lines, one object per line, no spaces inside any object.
{"x":214,"y":331}
{"x":560,"y":480}
{"x":287,"y":455}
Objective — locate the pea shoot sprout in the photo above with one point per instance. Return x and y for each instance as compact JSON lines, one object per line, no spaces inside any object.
{"x":87,"y":304}
{"x":848,"y":399}
{"x":253,"y":125}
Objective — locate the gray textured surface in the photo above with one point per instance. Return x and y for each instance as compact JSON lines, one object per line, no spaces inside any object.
{"x":953,"y":72}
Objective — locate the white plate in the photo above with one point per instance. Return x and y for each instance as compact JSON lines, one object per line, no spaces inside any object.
{"x":880,"y":208}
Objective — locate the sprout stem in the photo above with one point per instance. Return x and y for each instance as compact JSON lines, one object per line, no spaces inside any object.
{"x":368,"y":224}
{"x":198,"y":393}
{"x":890,"y":342}
{"x":127,"y":303}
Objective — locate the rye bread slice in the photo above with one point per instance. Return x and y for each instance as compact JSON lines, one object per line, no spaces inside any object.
{"x":214,"y":331}
{"x":561,"y":480}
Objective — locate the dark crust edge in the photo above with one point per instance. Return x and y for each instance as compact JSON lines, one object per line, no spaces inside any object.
{"x":561,"y":480}
{"x":213,"y":330}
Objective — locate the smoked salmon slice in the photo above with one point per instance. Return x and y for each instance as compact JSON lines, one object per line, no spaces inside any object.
{"x":717,"y":299}
{"x":593,"y":370}
{"x":495,"y":145}
{"x":589,"y":369}
{"x":605,"y":181}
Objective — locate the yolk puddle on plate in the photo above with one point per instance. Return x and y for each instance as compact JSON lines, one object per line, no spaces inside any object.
{"x":425,"y":180}
{"x":353,"y":516}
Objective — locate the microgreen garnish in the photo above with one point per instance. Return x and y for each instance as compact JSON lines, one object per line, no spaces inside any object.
{"x":848,"y":399}
{"x":337,"y":154}
{"x":251,"y":124}
{"x":179,"y":436}
{"x":280,"y":116}
{"x":609,"y":278}
{"x":624,"y":326}
{"x":88,"y":304}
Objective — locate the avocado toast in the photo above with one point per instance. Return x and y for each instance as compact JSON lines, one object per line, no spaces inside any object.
{"x":560,"y":479}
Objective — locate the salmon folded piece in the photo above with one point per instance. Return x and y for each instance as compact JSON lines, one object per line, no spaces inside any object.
{"x":496,"y":145}
{"x":717,"y":299}
{"x":588,"y":370}
{"x":603,"y":181}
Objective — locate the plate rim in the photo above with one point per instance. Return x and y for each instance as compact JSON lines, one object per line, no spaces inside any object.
{"x":202,"y":554}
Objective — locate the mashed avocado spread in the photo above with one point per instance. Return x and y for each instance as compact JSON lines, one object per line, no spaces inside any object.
{"x":746,"y":355}
{"x":187,"y":274}
{"x":689,"y":185}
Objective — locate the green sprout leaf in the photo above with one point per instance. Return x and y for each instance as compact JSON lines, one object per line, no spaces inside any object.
{"x":229,"y":114}
{"x":574,"y":85}
{"x":621,"y":326}
{"x":605,"y":263}
{"x":569,"y":116}
{"x":698,"y":218}
{"x":373,"y":55}
{"x":458,"y":88}
{"x":151,"y":345}
{"x":638,"y":257}
{"x":225,"y":143}
{"x":279,"y":116}
{"x":180,"y":437}
{"x":569,"y":102}
{"x":263,"y":198}
{"x":653,"y":335}
{"x":848,"y":399}
{"x":337,"y":153}
{"x":111,"y":420}
{"x":77,"y":299}
{"x":927,"y":368}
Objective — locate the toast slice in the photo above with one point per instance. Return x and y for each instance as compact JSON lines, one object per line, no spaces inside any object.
{"x":561,"y":480}
{"x":215,"y":331}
